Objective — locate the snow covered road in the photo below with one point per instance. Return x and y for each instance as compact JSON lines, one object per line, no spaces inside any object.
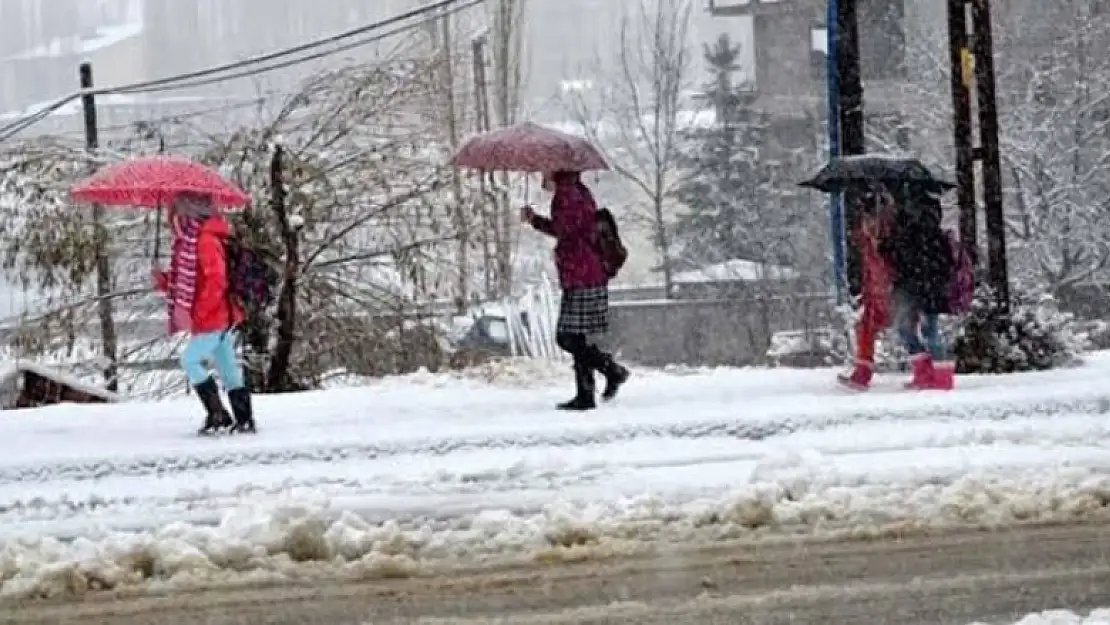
{"x":958,"y":578}
{"x":414,"y":473}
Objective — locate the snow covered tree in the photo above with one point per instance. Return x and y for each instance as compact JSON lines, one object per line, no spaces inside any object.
{"x":355,"y":219}
{"x":351,"y":208}
{"x":733,"y":185}
{"x":636,"y":116}
{"x":1053,"y":131}
{"x":75,"y":259}
{"x":1056,"y":148}
{"x":729,"y":182}
{"x":1035,"y":335}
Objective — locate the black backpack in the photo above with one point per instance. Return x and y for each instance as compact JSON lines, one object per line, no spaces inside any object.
{"x":250,"y":279}
{"x":611,"y":249}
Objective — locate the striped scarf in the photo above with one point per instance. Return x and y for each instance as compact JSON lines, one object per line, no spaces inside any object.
{"x":183,"y":268}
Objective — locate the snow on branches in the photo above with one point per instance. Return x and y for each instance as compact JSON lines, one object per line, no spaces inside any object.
{"x":348,"y":179}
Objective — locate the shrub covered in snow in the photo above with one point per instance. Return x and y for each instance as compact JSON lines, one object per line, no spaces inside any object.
{"x":1033,"y":335}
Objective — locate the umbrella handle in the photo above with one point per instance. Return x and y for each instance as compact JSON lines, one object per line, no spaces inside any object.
{"x":157,"y":236}
{"x":158,"y":212}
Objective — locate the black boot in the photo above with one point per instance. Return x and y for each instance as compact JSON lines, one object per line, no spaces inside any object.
{"x":240,"y":399}
{"x":615,"y":374}
{"x":615,"y":377}
{"x":216,"y":416}
{"x":584,"y":383}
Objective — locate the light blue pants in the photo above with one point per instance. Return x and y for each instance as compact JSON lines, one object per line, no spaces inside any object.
{"x":913,"y":326}
{"x":930,"y":331}
{"x":217,"y":348}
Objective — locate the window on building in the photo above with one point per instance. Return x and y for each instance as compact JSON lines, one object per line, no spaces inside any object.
{"x":818,"y":52}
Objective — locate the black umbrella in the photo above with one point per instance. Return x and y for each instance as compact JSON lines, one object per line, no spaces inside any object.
{"x":846,"y":171}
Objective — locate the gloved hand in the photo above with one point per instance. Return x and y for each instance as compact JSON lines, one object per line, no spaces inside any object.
{"x":182,"y":319}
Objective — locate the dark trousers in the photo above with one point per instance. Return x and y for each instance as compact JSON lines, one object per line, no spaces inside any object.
{"x":585,"y":353}
{"x":588,"y":358}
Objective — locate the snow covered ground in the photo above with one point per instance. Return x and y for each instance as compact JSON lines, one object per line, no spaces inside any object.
{"x":412,"y":474}
{"x":1064,"y":617}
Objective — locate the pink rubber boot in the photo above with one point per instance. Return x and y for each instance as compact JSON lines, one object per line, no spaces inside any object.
{"x":944,"y":377}
{"x":924,"y":374}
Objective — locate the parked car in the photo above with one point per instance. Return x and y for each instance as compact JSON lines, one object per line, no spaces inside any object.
{"x":487,"y":338}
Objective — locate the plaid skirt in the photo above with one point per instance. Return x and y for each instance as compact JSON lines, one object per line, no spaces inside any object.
{"x":584,"y":311}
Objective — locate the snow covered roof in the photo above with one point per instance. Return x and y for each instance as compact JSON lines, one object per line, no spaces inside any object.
{"x":10,"y":369}
{"x":729,"y":271}
{"x":75,"y":45}
{"x":685,"y":119}
{"x":736,"y":270}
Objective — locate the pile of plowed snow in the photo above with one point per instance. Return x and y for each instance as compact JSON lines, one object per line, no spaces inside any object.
{"x":252,"y":546}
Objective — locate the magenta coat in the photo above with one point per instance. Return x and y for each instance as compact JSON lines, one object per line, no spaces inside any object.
{"x":573,"y":223}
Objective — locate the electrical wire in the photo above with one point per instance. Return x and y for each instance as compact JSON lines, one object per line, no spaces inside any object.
{"x":170,"y":118}
{"x":354,"y":32}
{"x":256,"y":101}
{"x":19,"y":126}
{"x":208,"y":75}
{"x":297,"y":61}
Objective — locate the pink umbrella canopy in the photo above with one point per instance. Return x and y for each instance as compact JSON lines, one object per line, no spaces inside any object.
{"x":152,"y":181}
{"x":529,"y":147}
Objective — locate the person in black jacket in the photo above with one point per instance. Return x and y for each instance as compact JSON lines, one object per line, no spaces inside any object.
{"x":921,"y":267}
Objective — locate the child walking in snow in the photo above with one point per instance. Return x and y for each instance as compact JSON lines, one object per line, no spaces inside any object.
{"x":922,"y":265}
{"x":199,"y":302}
{"x":584,"y":308}
{"x":875,"y":221}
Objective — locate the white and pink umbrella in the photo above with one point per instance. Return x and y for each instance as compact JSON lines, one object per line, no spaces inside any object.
{"x":529,"y":147}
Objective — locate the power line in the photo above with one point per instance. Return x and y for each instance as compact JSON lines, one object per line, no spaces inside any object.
{"x":208,"y":75}
{"x":170,"y":118}
{"x":305,"y":47}
{"x":19,"y":126}
{"x":152,"y":85}
{"x":300,"y":60}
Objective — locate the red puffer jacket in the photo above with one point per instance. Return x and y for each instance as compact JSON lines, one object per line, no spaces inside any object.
{"x":213,"y":309}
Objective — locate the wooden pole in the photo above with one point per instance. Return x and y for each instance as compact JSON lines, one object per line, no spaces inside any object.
{"x":490,"y":220}
{"x":986,"y":98}
{"x":850,"y":109}
{"x":460,"y":217}
{"x":109,"y":341}
{"x":961,"y":79}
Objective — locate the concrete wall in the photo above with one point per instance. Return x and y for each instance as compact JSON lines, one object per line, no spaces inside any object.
{"x":711,"y":332}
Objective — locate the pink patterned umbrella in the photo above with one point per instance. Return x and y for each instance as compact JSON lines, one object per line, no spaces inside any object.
{"x":529,"y":147}
{"x":150,"y":181}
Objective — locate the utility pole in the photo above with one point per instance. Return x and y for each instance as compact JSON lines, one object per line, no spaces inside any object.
{"x":844,"y":32}
{"x":832,"y":125}
{"x":961,"y":80}
{"x":507,"y":38}
{"x":989,"y":157}
{"x":453,"y":133}
{"x":490,"y":223}
{"x":109,"y":341}
{"x":972,"y":56}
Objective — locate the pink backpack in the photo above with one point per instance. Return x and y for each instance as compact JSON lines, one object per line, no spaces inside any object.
{"x":962,"y":288}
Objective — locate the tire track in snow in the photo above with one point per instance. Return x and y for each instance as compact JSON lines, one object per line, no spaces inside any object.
{"x":732,"y":428}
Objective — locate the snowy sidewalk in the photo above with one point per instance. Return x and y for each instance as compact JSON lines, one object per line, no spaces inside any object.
{"x":432,"y":468}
